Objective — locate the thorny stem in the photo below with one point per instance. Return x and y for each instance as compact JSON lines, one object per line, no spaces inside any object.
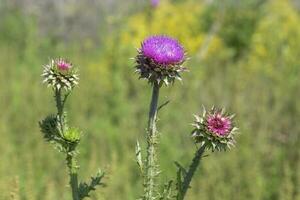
{"x":151,"y":159}
{"x":71,"y":162}
{"x":70,"y":157}
{"x":189,"y":175}
{"x":60,"y":109}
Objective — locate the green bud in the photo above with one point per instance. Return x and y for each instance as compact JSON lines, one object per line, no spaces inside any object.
{"x":72,"y":135}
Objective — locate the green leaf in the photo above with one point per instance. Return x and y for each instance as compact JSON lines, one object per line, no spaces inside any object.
{"x":86,"y":188}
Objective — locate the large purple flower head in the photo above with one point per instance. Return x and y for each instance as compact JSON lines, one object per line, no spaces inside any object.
{"x":163,"y":50}
{"x":215,"y":129}
{"x":60,"y":73}
{"x":160,"y":59}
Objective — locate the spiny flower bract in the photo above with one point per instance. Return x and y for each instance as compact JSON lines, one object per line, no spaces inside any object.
{"x":160,"y":59}
{"x":60,"y":73}
{"x":214,"y":129}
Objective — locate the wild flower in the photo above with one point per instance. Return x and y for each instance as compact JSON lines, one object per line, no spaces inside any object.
{"x":215,"y":129}
{"x":63,"y":65}
{"x":160,"y":59}
{"x":59,"y":73}
{"x":62,"y":76}
{"x":218,"y":124}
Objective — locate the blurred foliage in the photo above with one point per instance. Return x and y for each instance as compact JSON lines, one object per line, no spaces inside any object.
{"x":244,"y":55}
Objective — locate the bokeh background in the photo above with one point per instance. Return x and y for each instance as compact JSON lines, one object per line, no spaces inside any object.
{"x":244,"y":56}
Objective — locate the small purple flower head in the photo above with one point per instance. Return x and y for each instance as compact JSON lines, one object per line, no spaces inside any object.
{"x":155,"y":3}
{"x":163,"y":50}
{"x":60,"y":73}
{"x":218,"y":124}
{"x":160,"y":59}
{"x":63,"y":65}
{"x":214,"y":129}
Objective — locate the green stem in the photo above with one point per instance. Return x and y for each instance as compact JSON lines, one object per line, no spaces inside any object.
{"x":71,"y":162}
{"x":189,"y":175}
{"x":60,"y":108}
{"x":152,"y":137}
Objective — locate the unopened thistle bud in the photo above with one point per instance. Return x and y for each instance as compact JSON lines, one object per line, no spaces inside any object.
{"x":72,"y":135}
{"x":60,"y":73}
{"x":160,"y":59}
{"x":215,"y":129}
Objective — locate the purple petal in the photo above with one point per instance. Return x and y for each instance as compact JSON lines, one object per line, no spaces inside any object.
{"x":163,"y":49}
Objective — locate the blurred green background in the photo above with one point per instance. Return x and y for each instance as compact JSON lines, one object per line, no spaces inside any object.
{"x":244,"y":56}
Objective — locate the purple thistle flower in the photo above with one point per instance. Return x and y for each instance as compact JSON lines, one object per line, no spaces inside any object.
{"x":155,"y":3}
{"x":60,"y":73}
{"x":163,"y":50}
{"x":63,"y":64}
{"x":215,"y":129}
{"x":160,"y":59}
{"x":219,"y":124}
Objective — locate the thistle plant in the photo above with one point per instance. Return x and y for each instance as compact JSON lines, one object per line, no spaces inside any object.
{"x":62,"y":77}
{"x":213,"y":130}
{"x":160,"y":61}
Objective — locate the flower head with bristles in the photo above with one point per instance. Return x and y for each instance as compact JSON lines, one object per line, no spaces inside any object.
{"x":218,"y":124}
{"x":60,"y":73}
{"x":63,"y":65}
{"x":160,"y":59}
{"x":215,"y":129}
